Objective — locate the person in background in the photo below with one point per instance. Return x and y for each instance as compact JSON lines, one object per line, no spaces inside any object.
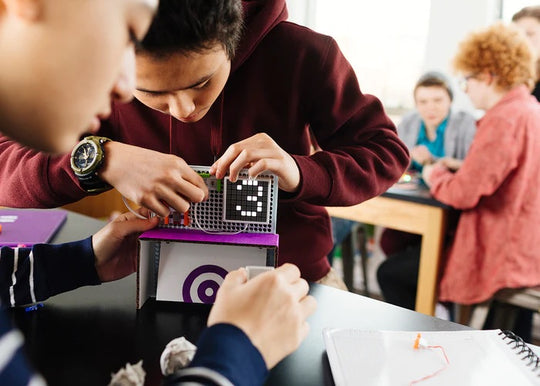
{"x":528,"y":20}
{"x":433,"y":132}
{"x":253,"y":324}
{"x":232,"y":84}
{"x":496,"y":187}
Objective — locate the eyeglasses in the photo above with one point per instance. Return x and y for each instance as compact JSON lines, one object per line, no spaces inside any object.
{"x":464,"y":80}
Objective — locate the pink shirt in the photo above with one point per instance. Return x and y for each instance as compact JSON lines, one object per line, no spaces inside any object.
{"x":497,"y":242}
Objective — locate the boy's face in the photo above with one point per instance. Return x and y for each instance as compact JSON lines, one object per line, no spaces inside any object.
{"x":67,"y":60}
{"x":531,"y":28}
{"x":433,"y":104}
{"x":184,"y":86}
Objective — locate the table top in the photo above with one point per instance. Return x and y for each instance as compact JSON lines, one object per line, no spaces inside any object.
{"x":419,"y":194}
{"x":82,"y":336}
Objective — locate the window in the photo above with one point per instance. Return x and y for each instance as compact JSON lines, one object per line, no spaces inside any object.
{"x":384,"y":41}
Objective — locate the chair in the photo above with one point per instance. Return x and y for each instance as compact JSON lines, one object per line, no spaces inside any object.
{"x":347,"y":255}
{"x":528,"y":298}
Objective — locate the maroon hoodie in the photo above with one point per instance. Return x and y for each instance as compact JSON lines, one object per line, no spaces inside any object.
{"x":285,"y":81}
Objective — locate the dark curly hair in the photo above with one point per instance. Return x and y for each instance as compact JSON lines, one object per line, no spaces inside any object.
{"x":183,"y":26}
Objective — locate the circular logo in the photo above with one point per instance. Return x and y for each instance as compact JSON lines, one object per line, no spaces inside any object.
{"x":204,"y":281}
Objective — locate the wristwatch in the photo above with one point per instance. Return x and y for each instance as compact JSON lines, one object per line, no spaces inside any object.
{"x":86,"y":160}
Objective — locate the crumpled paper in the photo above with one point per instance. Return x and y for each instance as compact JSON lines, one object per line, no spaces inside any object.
{"x":178,"y":354}
{"x":130,"y":375}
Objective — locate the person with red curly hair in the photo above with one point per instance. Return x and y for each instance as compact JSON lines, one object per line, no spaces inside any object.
{"x":496,"y":187}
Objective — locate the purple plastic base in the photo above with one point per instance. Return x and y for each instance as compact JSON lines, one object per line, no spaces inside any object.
{"x":265,"y":239}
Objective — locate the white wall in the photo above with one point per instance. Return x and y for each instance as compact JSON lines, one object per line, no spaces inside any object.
{"x":450,"y":21}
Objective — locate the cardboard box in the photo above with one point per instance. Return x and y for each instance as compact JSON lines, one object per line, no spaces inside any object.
{"x":187,"y":265}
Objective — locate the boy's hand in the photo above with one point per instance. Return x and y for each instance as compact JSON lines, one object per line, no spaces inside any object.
{"x":421,"y":155}
{"x":451,"y":163}
{"x":152,"y":179}
{"x":115,"y":245}
{"x":271,"y":309}
{"x":258,"y":153}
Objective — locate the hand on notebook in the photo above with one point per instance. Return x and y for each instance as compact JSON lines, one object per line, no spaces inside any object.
{"x":271,"y":309}
{"x":115,"y":246}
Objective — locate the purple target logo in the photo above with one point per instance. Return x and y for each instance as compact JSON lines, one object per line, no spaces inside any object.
{"x":205,"y":281}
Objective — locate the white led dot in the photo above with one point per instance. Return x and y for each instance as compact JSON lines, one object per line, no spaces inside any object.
{"x":238,"y":207}
{"x":238,"y":187}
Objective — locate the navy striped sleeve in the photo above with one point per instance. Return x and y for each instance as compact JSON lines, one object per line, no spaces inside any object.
{"x":29,"y":275}
{"x":226,"y":350}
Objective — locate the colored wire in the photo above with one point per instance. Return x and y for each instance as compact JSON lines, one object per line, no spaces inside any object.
{"x":418,"y":344}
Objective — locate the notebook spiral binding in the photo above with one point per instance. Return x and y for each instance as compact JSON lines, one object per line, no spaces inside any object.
{"x":525,"y":352}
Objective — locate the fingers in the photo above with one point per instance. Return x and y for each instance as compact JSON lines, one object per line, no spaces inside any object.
{"x":235,"y":278}
{"x":133,"y":224}
{"x":289,"y":272}
{"x":191,"y":184}
{"x":308,"y":305}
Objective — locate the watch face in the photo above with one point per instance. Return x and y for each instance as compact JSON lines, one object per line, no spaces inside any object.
{"x":85,"y":156}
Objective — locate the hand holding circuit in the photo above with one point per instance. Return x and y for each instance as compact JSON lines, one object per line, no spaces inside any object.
{"x":152,"y":179}
{"x":258,"y":153}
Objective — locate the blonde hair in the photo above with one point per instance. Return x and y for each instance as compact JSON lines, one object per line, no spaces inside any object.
{"x":500,"y":50}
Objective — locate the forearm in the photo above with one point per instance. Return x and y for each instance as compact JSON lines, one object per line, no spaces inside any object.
{"x":347,"y":175}
{"x":34,"y":274}
{"x":33,"y":179}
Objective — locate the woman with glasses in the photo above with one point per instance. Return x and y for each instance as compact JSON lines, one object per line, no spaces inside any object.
{"x":496,"y":188}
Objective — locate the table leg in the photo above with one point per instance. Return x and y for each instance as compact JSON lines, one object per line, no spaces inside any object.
{"x":430,"y":258}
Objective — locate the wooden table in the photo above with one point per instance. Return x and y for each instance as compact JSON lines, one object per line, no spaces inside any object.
{"x":413,"y":211}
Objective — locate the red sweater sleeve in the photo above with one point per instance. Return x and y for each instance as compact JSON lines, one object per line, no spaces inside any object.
{"x":492,"y":157}
{"x":361,"y":155}
{"x":33,"y":179}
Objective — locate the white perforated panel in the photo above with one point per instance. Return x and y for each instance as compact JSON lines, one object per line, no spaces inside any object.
{"x":252,"y":208}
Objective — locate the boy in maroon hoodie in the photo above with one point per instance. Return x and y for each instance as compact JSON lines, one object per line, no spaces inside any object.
{"x":218,"y":86}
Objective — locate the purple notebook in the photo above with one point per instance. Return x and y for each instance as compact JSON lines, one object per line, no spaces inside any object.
{"x":26,"y":227}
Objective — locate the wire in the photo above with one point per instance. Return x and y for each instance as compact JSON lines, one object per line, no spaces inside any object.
{"x":194,"y":212}
{"x":132,"y":210}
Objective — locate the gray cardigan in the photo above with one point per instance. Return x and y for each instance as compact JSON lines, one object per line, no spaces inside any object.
{"x":458,"y":135}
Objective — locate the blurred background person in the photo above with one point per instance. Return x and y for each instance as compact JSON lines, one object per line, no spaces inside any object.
{"x":432,"y":132}
{"x":496,"y":187}
{"x":528,"y":20}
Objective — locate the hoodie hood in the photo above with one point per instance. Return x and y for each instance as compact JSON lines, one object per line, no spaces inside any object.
{"x":260,"y":17}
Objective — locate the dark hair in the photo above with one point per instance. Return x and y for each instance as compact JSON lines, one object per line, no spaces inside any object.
{"x":193,"y":25}
{"x":435,"y":79}
{"x":532,"y":11}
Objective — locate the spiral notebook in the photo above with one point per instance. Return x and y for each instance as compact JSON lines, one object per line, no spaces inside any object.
{"x":469,"y":357}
